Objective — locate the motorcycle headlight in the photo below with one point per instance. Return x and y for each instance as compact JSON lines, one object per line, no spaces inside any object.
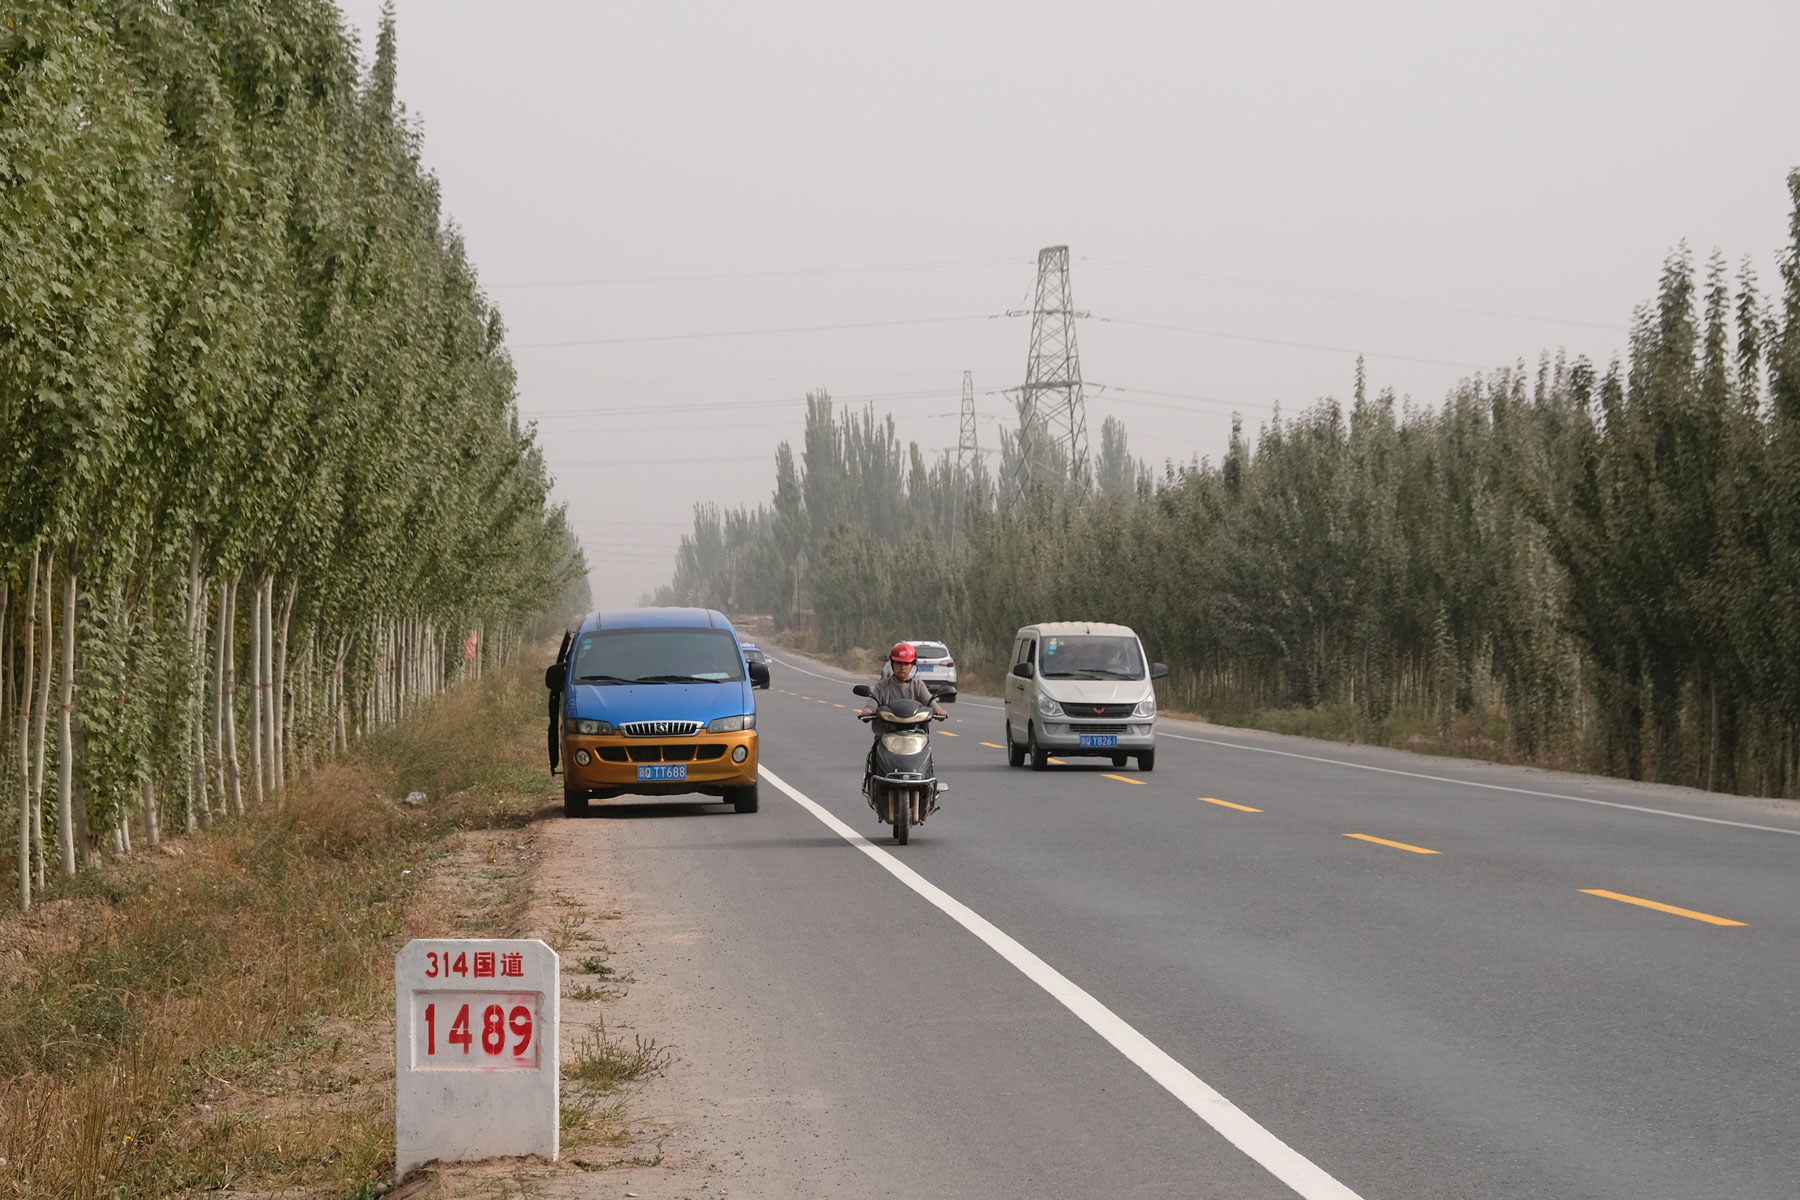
{"x":575,"y":725}
{"x":733,"y":724}
{"x":903,"y":743}
{"x":1048,"y":707}
{"x":1145,"y":708}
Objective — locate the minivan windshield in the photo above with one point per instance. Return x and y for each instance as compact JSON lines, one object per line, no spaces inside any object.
{"x":661,"y":655}
{"x":1090,"y":656}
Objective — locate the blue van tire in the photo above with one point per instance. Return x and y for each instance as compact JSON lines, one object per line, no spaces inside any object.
{"x":575,"y":803}
{"x":743,"y":799}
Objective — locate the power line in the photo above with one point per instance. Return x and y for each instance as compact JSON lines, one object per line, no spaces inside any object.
{"x":717,"y":405}
{"x":776,"y":273}
{"x":1152,"y":271}
{"x":1267,"y":341}
{"x":730,"y":333}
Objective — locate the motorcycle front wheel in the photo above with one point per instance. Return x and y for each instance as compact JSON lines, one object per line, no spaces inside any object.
{"x":902,"y":817}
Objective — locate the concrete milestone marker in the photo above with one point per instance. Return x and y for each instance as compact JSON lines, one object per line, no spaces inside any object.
{"x":476,"y":1075}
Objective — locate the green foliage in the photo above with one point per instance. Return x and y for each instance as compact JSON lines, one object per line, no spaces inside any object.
{"x":1598,"y":566}
{"x":239,"y":340}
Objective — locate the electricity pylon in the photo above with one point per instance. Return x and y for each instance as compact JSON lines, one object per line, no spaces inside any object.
{"x":1052,"y":408}
{"x":967,"y":452}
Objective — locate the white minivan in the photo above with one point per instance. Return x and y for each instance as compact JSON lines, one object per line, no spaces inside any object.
{"x":1080,"y":688}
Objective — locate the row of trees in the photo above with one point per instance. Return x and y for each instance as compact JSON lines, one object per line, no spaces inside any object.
{"x":1606,"y":558}
{"x":263,"y":471}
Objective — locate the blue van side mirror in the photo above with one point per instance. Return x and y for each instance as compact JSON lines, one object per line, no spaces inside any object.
{"x":555,"y":675}
{"x":759,"y":673}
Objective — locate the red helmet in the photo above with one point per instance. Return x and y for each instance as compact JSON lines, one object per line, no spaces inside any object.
{"x":903,"y":653}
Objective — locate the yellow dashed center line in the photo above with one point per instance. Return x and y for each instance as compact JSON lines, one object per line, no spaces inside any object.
{"x":993,"y":745}
{"x":1229,"y":804}
{"x":837,"y":706}
{"x":806,"y":697}
{"x":1384,"y":842}
{"x":1124,"y":778}
{"x":1668,"y":908}
{"x":947,"y":733}
{"x":1057,"y":762}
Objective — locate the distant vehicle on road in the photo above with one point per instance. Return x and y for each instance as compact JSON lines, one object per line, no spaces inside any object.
{"x":654,"y":702}
{"x":754,"y":654}
{"x":1080,"y":688}
{"x":935,"y":667}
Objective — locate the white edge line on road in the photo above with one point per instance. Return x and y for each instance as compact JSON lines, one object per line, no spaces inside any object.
{"x":1231,"y":1122}
{"x":1491,"y":787}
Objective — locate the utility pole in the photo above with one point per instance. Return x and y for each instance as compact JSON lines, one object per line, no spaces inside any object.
{"x":966,"y":454}
{"x":1052,"y":407}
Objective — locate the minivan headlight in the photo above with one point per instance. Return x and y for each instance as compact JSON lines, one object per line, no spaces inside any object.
{"x":733,"y":724}
{"x":1145,"y":708}
{"x":575,"y":725}
{"x":1048,"y":707}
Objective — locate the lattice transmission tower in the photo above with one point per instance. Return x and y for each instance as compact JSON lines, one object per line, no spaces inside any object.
{"x":968,"y":452}
{"x":1052,"y":408}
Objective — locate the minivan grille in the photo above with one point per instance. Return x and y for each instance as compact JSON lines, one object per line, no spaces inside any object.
{"x":661,"y":728}
{"x":687,"y":752}
{"x":1101,"y":728}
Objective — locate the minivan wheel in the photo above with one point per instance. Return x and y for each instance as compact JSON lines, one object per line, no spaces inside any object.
{"x":1040,"y":758}
{"x":1015,"y":753}
{"x":743,"y":799}
{"x":1119,"y":760}
{"x":575,"y":803}
{"x":1146,"y":760}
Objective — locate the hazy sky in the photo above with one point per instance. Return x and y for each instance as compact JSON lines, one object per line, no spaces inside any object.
{"x":1445,"y":188}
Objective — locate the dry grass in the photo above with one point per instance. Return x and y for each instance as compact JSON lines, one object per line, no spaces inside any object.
{"x":221,"y":1019}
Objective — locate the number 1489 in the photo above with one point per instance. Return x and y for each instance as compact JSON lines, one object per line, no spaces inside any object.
{"x":480,"y":1030}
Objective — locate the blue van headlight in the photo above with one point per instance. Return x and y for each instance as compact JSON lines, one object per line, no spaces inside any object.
{"x":577,"y":726}
{"x":733,"y":724}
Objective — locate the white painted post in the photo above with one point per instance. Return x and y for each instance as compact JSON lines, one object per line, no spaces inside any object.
{"x":476,"y":1027}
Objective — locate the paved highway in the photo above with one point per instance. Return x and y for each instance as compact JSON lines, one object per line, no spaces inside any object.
{"x":1358,"y":971}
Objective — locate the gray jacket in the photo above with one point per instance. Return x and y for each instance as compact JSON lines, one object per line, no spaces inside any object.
{"x":887,"y":689}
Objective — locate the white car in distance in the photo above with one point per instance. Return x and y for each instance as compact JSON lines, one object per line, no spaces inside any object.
{"x":935,"y":666}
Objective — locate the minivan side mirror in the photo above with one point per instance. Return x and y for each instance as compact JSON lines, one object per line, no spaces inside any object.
{"x":861,"y":689}
{"x":759,"y":674}
{"x":1022,"y":670}
{"x":1158,"y":671}
{"x":555,"y":675}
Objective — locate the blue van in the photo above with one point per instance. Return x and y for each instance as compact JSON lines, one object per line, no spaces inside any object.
{"x":654,"y":702}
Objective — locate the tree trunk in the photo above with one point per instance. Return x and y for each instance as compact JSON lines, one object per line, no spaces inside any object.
{"x":228,"y":644}
{"x":282,"y":708}
{"x":28,"y":621}
{"x":256,"y":694}
{"x":340,"y":717}
{"x":43,"y":717}
{"x":65,"y":757}
{"x":218,"y":725}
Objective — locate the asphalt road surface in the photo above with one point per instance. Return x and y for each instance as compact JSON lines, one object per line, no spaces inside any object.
{"x":1273,"y":967}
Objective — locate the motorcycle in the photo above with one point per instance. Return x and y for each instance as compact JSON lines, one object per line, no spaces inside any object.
{"x":901,"y":783}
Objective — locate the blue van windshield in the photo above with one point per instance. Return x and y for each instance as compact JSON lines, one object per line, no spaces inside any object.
{"x":661,"y":655}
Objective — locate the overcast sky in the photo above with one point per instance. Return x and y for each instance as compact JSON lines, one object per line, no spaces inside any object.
{"x":1443,"y":188}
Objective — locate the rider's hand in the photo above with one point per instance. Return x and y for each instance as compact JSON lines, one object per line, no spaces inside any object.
{"x":940,"y":715}
{"x":865,"y":714}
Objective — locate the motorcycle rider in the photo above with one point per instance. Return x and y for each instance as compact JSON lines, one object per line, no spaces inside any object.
{"x":903,"y":683}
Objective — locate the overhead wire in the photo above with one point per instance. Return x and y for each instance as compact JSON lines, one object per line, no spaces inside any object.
{"x":1150,"y":270}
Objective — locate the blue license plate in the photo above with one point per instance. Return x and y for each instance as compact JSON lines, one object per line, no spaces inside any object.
{"x":667,"y":771}
{"x":926,"y":667}
{"x":1099,"y":741}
